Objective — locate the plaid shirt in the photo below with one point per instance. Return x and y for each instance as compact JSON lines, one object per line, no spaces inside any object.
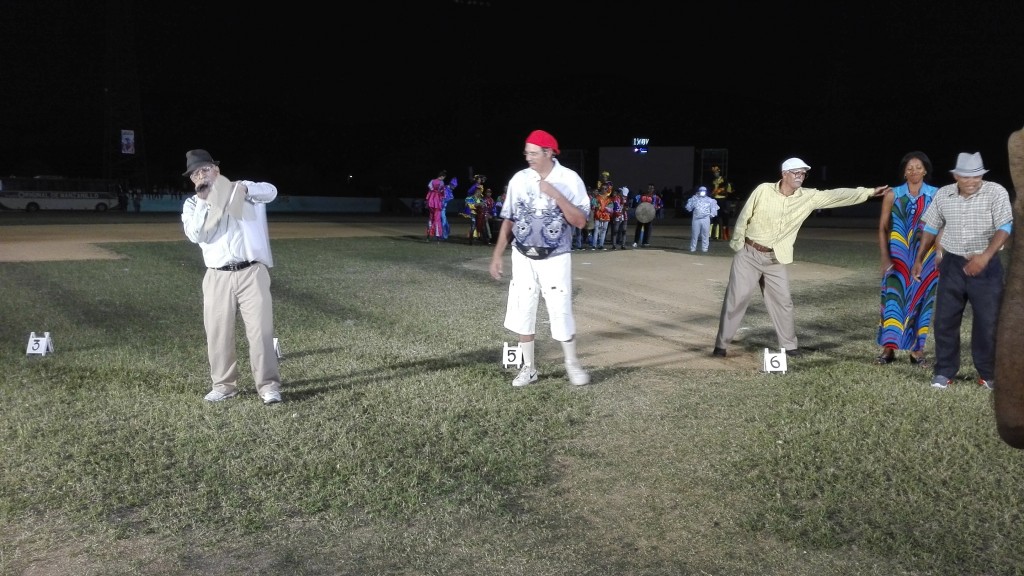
{"x":968,"y":223}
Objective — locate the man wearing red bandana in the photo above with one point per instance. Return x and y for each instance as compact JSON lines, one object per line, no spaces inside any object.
{"x":543,"y":203}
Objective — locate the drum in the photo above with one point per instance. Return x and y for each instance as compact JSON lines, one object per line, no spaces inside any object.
{"x":644,"y":212}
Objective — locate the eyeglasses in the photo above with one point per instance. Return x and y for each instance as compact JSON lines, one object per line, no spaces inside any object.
{"x":800,"y":173}
{"x":534,"y":154}
{"x":203,"y":171}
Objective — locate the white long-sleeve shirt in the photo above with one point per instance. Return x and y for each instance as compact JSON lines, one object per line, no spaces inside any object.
{"x":233,"y":240}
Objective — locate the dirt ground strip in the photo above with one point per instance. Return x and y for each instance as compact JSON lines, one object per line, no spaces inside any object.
{"x":670,"y":322}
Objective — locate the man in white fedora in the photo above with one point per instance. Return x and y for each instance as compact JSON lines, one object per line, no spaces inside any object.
{"x":976,"y":219}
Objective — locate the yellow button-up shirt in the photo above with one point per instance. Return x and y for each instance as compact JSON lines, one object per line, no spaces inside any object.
{"x":772,"y":219}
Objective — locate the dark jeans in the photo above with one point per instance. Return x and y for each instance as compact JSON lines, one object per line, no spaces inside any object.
{"x":619,"y":234}
{"x":955,"y":290}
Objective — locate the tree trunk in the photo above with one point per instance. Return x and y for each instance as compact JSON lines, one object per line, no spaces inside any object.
{"x":1009,"y":392}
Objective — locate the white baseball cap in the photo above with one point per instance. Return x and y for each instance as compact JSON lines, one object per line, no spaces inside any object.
{"x":795,"y":164}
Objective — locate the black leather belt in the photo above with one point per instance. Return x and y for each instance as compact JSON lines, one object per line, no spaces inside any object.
{"x":236,"y":266}
{"x":757,"y":246}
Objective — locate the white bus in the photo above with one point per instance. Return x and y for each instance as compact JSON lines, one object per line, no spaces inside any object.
{"x":57,"y":193}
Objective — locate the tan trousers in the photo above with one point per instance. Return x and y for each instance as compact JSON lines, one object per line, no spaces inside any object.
{"x":748,"y":268}
{"x":225,"y":295}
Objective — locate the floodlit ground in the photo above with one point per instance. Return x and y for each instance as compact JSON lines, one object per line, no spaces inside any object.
{"x":629,"y":307}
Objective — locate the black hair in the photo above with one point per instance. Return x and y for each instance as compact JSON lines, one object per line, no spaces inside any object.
{"x":920,"y":156}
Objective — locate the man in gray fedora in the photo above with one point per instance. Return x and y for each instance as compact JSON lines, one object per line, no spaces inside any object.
{"x":976,"y":219}
{"x":228,"y":220}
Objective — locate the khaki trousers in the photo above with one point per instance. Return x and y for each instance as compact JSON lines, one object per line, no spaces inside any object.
{"x":749,"y":267}
{"x":225,"y":295}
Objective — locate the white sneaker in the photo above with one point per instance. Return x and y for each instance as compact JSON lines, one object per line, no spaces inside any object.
{"x":577,"y":375}
{"x":272,"y":397}
{"x":527,"y":375}
{"x":215,"y":396}
{"x":634,"y":244}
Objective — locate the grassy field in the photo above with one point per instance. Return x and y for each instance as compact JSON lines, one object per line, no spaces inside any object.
{"x":400,"y":447}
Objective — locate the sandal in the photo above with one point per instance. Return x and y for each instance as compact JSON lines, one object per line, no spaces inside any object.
{"x":885,"y":357}
{"x":919,"y":361}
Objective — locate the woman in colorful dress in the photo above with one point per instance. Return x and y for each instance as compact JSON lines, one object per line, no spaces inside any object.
{"x":906,"y":304}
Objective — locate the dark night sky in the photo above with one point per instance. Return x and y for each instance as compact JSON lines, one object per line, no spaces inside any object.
{"x":305,"y":97}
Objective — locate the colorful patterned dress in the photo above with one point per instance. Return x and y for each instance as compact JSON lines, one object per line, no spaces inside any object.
{"x":907,"y":304}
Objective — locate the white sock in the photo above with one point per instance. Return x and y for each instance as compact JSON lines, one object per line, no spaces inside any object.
{"x":569,"y":349}
{"x":527,"y":348}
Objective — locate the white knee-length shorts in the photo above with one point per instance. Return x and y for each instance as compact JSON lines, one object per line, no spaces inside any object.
{"x":531,"y":279}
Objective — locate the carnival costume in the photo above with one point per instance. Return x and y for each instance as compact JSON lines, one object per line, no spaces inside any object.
{"x":603,"y":217}
{"x":703,"y":209}
{"x":476,"y":210}
{"x":644,"y":230}
{"x":449,"y":195}
{"x":721,"y":190}
{"x":438,"y":193}
{"x":620,"y":217}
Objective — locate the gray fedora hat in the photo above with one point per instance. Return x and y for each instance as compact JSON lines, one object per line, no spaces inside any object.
{"x":969,"y":165}
{"x":197,"y":158}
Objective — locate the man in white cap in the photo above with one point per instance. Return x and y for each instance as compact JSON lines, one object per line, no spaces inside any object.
{"x":704,"y":208}
{"x":763,"y":239}
{"x":975,"y":218}
{"x":544,"y":202}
